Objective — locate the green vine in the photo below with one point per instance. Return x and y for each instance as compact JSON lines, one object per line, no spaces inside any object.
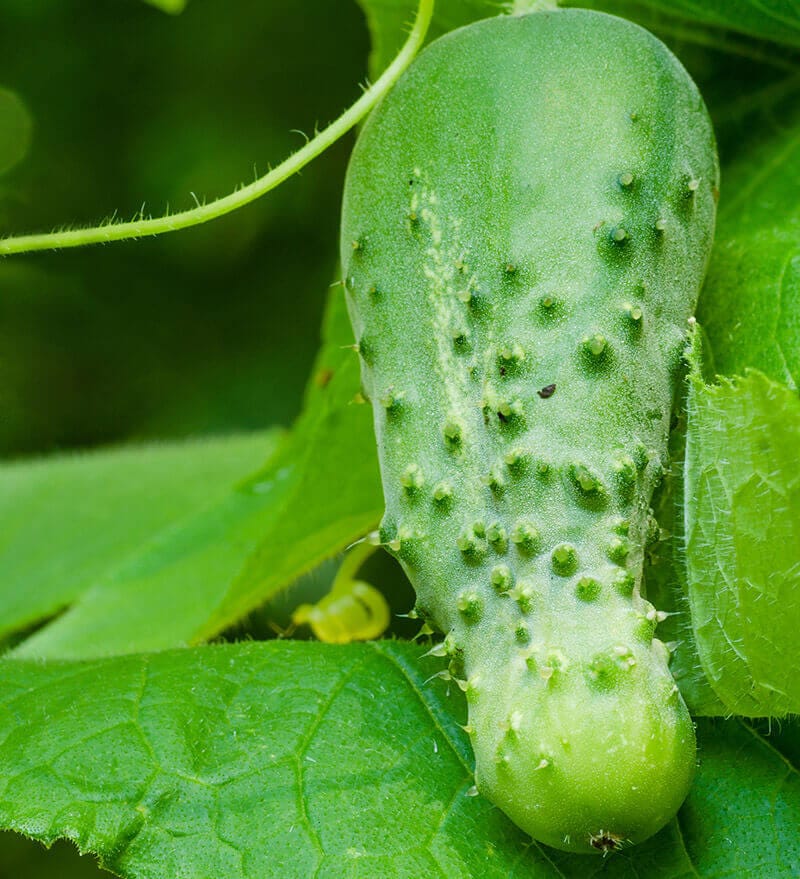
{"x":140,"y":226}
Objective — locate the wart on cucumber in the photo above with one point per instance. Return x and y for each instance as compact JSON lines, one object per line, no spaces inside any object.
{"x":535,"y":202}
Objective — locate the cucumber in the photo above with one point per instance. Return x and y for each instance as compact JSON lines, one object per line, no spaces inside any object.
{"x":526,"y":224}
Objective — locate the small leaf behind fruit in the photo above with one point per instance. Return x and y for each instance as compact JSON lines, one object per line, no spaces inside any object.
{"x":777,"y":20}
{"x":743,"y":541}
{"x":750,"y":305}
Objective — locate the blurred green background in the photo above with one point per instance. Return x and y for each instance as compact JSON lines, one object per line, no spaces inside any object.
{"x":104,"y":105}
{"x":209,"y":330}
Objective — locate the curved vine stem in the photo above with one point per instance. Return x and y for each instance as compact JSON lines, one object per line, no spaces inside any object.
{"x":141,"y":227}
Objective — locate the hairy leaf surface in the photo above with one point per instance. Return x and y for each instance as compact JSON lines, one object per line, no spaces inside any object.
{"x":665,"y":584}
{"x":743,"y":541}
{"x":291,"y":759}
{"x":743,"y":550}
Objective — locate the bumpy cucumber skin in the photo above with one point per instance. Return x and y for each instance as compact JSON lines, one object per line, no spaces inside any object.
{"x":533,"y":206}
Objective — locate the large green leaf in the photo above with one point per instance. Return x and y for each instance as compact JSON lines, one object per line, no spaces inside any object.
{"x":743,"y":541}
{"x":325,"y":479}
{"x":750,"y":305}
{"x":148,"y":549}
{"x":777,"y":20}
{"x":294,"y":760}
{"x":67,"y":522}
{"x":715,"y":23}
{"x":163,"y":594}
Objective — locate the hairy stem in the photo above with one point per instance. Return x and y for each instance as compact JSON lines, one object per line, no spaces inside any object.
{"x":141,"y":226}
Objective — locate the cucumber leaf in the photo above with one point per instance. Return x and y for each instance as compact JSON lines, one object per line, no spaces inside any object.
{"x":776,"y":20}
{"x":750,"y":307}
{"x":743,"y":541}
{"x":66,"y":521}
{"x":707,"y":21}
{"x":290,"y":759}
{"x":743,"y":544}
{"x":144,"y":550}
{"x":325,"y":479}
{"x":164,"y":593}
{"x":665,"y":582}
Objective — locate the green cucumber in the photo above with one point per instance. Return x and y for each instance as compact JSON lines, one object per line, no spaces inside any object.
{"x":526,"y":224}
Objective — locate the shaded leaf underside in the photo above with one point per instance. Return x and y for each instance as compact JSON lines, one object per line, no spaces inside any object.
{"x":166,"y":545}
{"x":70,"y":523}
